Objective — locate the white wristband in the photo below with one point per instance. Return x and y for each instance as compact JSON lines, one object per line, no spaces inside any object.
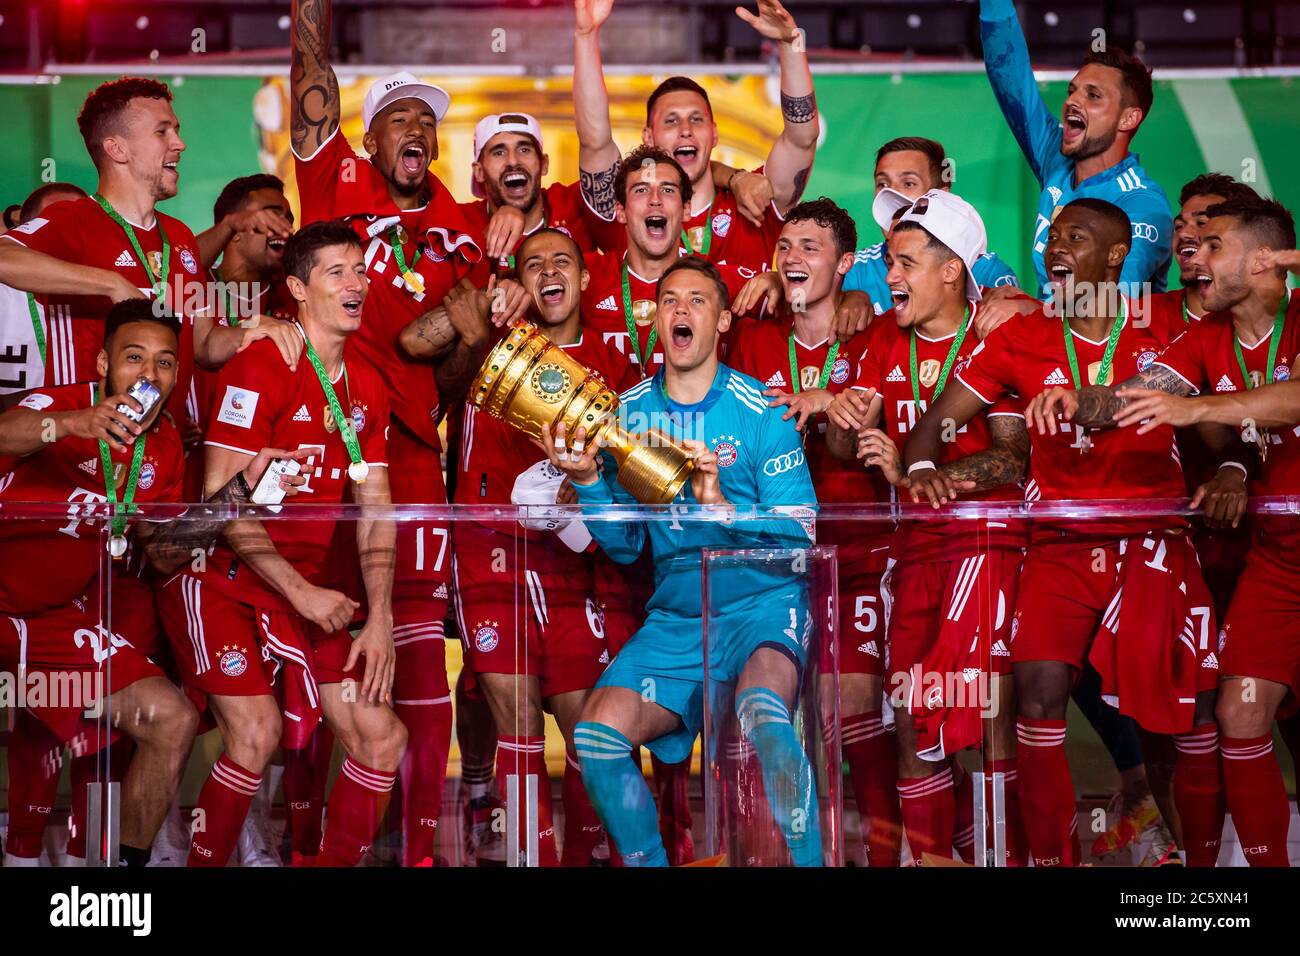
{"x":1234,"y":464}
{"x":921,"y":464}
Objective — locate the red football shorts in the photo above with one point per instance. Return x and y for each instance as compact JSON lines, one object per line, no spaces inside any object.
{"x":1261,"y":638}
{"x":75,"y":660}
{"x":862,"y":613}
{"x":535,"y":617}
{"x":952,"y":601}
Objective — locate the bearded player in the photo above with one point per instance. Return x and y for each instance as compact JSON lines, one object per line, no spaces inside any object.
{"x":1249,"y":339}
{"x":418,"y":247}
{"x":804,"y":367}
{"x":679,"y":121}
{"x":263,"y":601}
{"x":1152,"y":648}
{"x":548,"y":656}
{"x":764,"y":654}
{"x":87,"y":444}
{"x":82,"y":256}
{"x":1084,"y":154}
{"x":952,"y":585}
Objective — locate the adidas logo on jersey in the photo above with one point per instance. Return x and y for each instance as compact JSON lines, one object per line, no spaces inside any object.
{"x":1056,"y":378}
{"x":125,"y":259}
{"x":302,"y":415}
{"x":1211,"y":661}
{"x":896,"y":375}
{"x":1224,"y":385}
{"x":1000,"y":649}
{"x":604,"y":658}
{"x":608,"y":304}
{"x":776,"y":381}
{"x":441,"y":591}
{"x":869,"y":648}
{"x":89,"y":466}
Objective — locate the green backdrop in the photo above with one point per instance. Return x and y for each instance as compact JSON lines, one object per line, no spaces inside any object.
{"x":1245,"y":126}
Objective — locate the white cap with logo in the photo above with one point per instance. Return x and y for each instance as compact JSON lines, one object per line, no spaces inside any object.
{"x":399,"y":86}
{"x":495,"y":123}
{"x":944,"y":215}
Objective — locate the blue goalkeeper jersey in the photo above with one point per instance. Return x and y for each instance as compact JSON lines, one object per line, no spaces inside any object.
{"x":1126,"y":184}
{"x":869,"y":271}
{"x":760,"y":462}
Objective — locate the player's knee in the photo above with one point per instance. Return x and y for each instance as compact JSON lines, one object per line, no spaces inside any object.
{"x":379,"y":741}
{"x":253,"y":736}
{"x":163,"y":717}
{"x":760,"y":707}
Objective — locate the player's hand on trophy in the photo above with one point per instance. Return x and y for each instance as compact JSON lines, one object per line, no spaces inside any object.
{"x":772,"y":21}
{"x":801,"y":406}
{"x":850,"y":407}
{"x":574,"y":456}
{"x":467,"y":310}
{"x":1048,"y":405}
{"x":878,"y":449}
{"x":935,"y":486}
{"x":328,"y":609}
{"x":375,"y":644}
{"x":853,"y":314}
{"x":765,"y":285}
{"x":591,"y":14}
{"x":104,"y":422}
{"x":509,"y":301}
{"x":1224,"y":498}
{"x":754,"y":193}
{"x":284,"y":334}
{"x":504,"y":230}
{"x":704,"y":478}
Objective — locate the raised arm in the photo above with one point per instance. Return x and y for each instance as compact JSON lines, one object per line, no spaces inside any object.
{"x":598,"y":154}
{"x":314,"y":109}
{"x":1006,"y":61}
{"x":790,"y":161}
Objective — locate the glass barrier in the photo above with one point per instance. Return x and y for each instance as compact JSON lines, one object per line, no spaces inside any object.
{"x":989,"y":684}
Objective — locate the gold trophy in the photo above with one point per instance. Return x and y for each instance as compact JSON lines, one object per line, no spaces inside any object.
{"x":528,"y":381}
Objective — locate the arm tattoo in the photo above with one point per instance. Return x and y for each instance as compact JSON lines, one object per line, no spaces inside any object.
{"x":800,"y":183}
{"x":598,"y":190}
{"x":1002,"y":463}
{"x":174,"y":543}
{"x":435,"y":328}
{"x":314,"y":89}
{"x":454,"y":373}
{"x":799,"y":109}
{"x":1098,"y":404}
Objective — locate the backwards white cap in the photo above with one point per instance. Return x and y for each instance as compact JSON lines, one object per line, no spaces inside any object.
{"x":944,"y":215}
{"x":495,"y":123}
{"x":398,"y":86}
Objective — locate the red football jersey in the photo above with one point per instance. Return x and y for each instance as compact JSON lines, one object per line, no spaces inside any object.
{"x":1169,"y":308}
{"x":736,"y":241}
{"x":337,"y":183}
{"x":493,"y":454}
{"x":562,"y":208}
{"x":1204,"y":357}
{"x":64,"y":555}
{"x":259,"y":403}
{"x":603,"y":309}
{"x":79,"y":231}
{"x":1026,"y":355}
{"x":886,"y":367}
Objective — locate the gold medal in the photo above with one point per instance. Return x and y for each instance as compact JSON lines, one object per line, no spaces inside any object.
{"x":413,"y":281}
{"x":643,"y":310}
{"x":928,"y":373}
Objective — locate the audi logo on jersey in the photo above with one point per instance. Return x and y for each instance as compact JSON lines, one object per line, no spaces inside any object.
{"x":783,"y":463}
{"x":1144,"y":230}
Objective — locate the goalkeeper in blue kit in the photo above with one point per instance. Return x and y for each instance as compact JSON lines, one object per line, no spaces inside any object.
{"x":652,"y":692}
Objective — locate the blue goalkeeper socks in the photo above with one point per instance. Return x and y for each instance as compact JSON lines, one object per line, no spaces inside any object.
{"x":787,"y":775}
{"x":619,"y":793}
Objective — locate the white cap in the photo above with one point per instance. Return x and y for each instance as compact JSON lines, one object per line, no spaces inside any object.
{"x":538,"y":485}
{"x":399,"y":86}
{"x":495,"y":123}
{"x":944,"y":215}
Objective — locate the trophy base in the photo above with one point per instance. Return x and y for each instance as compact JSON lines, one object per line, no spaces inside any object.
{"x":653,"y":475}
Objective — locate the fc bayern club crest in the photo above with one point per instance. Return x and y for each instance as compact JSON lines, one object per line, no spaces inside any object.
{"x":722,"y":224}
{"x":358,"y":417}
{"x":147,"y":475}
{"x":1145,"y":360}
{"x":486,"y":638}
{"x":726,"y":453}
{"x":840,"y":371}
{"x":187,"y":260}
{"x":1281,"y":373}
{"x":233,"y":662}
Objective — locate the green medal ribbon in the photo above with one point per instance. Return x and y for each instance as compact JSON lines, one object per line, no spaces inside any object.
{"x":158,"y":282}
{"x":953,"y":351}
{"x":1275,"y":339}
{"x":1107,"y":358}
{"x":344,"y":422}
{"x":37,"y":326}
{"x":128,"y":494}
{"x":642,"y":360}
{"x":409,"y":275}
{"x":826,"y":366}
{"x":231,"y":318}
{"x":708,"y":234}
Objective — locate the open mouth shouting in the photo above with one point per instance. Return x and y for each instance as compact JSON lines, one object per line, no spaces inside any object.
{"x":901,"y":299}
{"x":515,"y":183}
{"x":1186,"y":247}
{"x":686,"y":153}
{"x":683,"y":335}
{"x":1074,"y":125}
{"x":414,"y":159}
{"x":796,"y":277}
{"x":172,"y":166}
{"x":352,"y":306}
{"x":276,"y":245}
{"x":1059,"y":274}
{"x":1202,"y":282}
{"x":656,"y":227}
{"x":551,"y":293}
